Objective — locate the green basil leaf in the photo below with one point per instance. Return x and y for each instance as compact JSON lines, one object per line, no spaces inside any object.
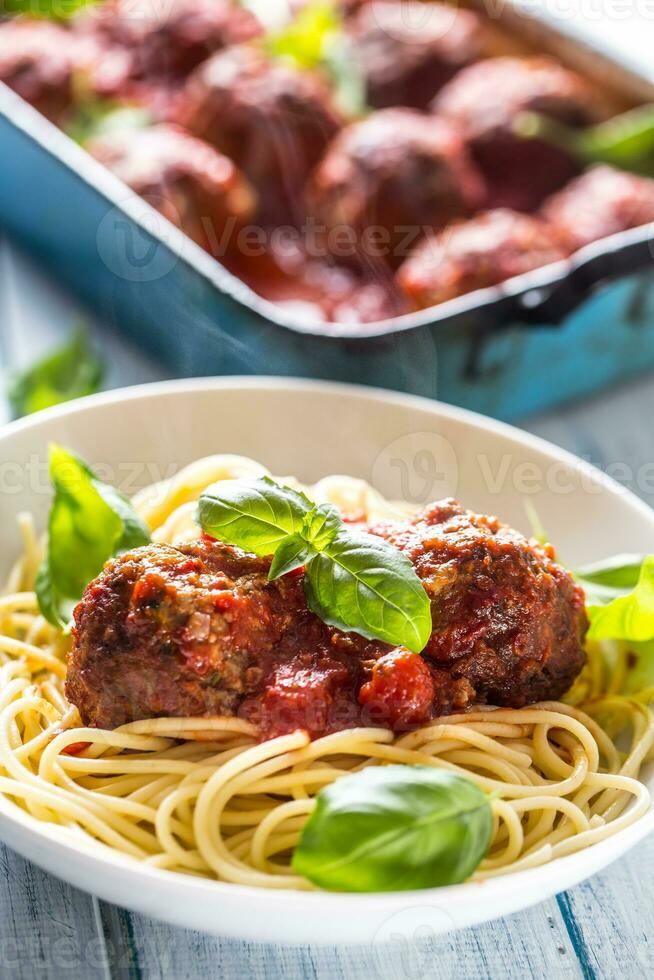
{"x":292,"y":553}
{"x":625,"y":141}
{"x":255,"y":515}
{"x":70,"y":372}
{"x":353,"y":581}
{"x":362,"y":583}
{"x":394,"y":828}
{"x":620,"y":573}
{"x":630,"y":616}
{"x":321,"y":525}
{"x":89,"y":523}
{"x":640,"y":673}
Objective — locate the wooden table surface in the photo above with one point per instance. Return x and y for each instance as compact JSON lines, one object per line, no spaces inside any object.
{"x":603,"y":928}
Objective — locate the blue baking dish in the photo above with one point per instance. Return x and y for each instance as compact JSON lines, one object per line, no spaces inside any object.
{"x":547,"y":337}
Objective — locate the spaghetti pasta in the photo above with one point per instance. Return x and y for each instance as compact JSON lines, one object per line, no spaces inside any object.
{"x":202,"y":796}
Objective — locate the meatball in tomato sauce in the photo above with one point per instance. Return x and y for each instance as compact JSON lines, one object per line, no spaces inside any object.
{"x":408,"y":51}
{"x":38,"y":61}
{"x":273,"y":120}
{"x":485,"y":101}
{"x":475,"y":254}
{"x":387,"y":179}
{"x":198,"y":630}
{"x":188,"y":181}
{"x":170,"y":38}
{"x":602,"y":202}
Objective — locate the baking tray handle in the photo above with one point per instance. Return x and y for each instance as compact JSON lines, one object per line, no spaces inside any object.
{"x":551,"y":305}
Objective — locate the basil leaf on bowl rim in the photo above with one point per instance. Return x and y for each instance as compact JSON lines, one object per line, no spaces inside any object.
{"x":395,"y":828}
{"x":89,"y":523}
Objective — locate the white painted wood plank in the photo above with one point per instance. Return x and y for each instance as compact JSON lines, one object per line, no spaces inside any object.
{"x":47,"y":928}
{"x":533,"y":944}
{"x":614,"y":915}
{"x":611,"y":916}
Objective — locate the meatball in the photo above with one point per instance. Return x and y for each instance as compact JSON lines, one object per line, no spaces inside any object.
{"x":475,"y":254}
{"x":386,"y":179}
{"x":600,"y":203}
{"x":274,"y":120}
{"x":198,"y":630}
{"x":37,"y":60}
{"x":508,"y":620}
{"x":171,"y":38}
{"x":188,"y":181}
{"x":408,"y":51}
{"x":485,"y":99}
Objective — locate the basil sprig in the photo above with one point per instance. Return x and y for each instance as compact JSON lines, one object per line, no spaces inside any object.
{"x":89,"y":523}
{"x":394,"y":828}
{"x":354,"y":581}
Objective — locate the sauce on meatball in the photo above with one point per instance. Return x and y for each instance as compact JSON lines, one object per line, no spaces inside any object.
{"x":198,"y":630}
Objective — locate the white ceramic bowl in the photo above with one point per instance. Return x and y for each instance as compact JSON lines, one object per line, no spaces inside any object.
{"x":406,"y":446}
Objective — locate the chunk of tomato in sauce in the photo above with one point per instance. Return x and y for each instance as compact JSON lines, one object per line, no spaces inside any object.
{"x":400,"y":693}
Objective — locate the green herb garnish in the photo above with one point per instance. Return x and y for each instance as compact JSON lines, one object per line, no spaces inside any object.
{"x":394,"y":828}
{"x":354,"y":581}
{"x":620,"y":598}
{"x":45,"y":9}
{"x":316,"y":39}
{"x":626,"y":141}
{"x":89,"y":523}
{"x":72,"y":371}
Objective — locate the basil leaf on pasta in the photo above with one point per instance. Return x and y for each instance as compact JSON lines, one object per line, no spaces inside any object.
{"x":395,"y":828}
{"x":629,"y":616}
{"x":89,"y":523}
{"x":606,"y":580}
{"x":256,"y":515}
{"x":364,"y":584}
